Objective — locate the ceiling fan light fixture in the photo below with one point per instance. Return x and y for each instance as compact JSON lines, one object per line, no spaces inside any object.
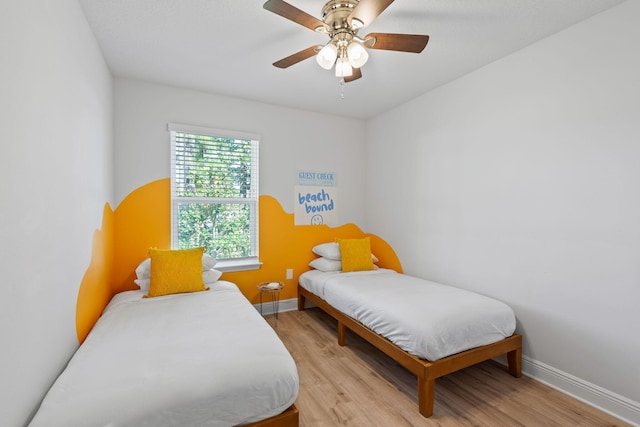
{"x":341,"y":20}
{"x":327,"y":56}
{"x":357,"y":54}
{"x":343,"y":67}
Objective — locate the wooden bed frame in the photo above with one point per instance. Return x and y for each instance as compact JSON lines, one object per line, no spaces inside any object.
{"x":426,"y":371}
{"x":289,"y":418}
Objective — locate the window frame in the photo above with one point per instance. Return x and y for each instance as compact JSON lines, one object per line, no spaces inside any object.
{"x":231,"y":264}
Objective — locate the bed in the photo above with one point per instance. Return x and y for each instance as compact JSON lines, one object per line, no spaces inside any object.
{"x":429,"y":328}
{"x":190,"y":359}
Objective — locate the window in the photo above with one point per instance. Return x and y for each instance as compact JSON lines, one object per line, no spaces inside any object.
{"x":214,"y":194}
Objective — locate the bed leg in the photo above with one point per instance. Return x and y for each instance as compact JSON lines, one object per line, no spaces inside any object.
{"x":301,"y":302}
{"x":426,"y":396}
{"x":341,"y":333}
{"x":514,"y":362}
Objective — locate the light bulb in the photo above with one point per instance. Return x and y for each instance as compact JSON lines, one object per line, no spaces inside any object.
{"x":327,"y":56}
{"x":357,"y":54}
{"x":343,"y":68}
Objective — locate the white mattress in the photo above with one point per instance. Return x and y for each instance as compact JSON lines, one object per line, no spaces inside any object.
{"x":424,"y":318}
{"x":200,"y":359}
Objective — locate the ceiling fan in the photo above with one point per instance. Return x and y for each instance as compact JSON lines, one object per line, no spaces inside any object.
{"x":341,"y":21}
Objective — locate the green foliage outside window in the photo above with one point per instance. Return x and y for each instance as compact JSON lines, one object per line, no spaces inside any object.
{"x":223,"y":229}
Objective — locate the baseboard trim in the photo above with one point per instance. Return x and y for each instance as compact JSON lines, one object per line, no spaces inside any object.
{"x":605,"y":400}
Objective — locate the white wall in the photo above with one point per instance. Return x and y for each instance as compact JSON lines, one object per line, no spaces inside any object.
{"x":292,"y":140}
{"x":56,"y":165}
{"x":521,"y":181}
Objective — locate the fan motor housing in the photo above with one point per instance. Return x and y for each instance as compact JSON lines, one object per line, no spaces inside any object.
{"x":335,"y":14}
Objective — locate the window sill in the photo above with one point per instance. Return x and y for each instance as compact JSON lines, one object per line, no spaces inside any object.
{"x":229,"y":265}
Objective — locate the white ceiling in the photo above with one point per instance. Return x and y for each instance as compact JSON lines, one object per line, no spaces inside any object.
{"x":227,"y":46}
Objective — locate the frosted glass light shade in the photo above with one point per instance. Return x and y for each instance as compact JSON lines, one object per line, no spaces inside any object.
{"x":343,"y":67}
{"x":327,"y":56}
{"x":357,"y":54}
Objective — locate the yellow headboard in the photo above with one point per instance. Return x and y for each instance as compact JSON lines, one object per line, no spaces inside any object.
{"x":143,"y":220}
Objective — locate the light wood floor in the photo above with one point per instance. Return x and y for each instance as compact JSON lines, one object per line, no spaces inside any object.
{"x":357,"y":385}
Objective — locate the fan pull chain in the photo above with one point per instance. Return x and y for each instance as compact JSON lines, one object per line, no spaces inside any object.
{"x":342,"y":88}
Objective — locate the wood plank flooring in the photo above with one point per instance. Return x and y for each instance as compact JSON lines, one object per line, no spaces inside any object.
{"x":357,"y":385}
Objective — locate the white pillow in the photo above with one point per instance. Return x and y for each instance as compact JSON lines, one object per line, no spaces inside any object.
{"x":143,"y":271}
{"x":331,"y":250}
{"x":208,"y":262}
{"x":143,"y":284}
{"x":210,"y":276}
{"x":326,"y":264}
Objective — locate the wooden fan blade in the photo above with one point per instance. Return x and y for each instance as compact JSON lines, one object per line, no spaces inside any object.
{"x":355,"y":76}
{"x":368,"y":10}
{"x":297,"y":57}
{"x":284,"y":9}
{"x":414,"y":43}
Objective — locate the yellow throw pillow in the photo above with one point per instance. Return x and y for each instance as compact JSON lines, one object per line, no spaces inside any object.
{"x":355,"y":254}
{"x":175,"y":271}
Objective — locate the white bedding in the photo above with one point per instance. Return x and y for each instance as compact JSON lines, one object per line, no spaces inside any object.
{"x":424,"y":318}
{"x":201,"y":359}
